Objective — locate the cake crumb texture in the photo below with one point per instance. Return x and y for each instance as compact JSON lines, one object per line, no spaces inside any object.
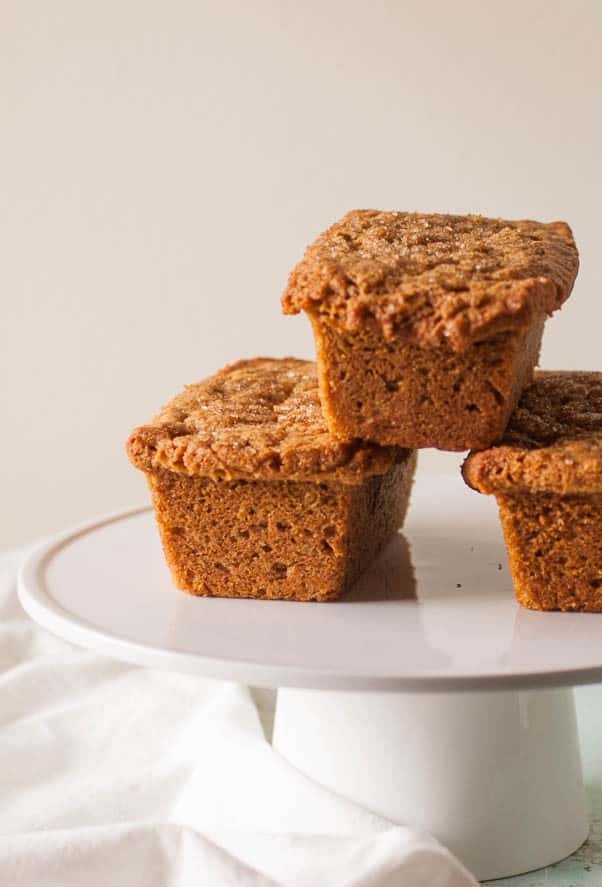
{"x":434,"y":278}
{"x":286,"y":540}
{"x":554,"y":547}
{"x":421,"y":397}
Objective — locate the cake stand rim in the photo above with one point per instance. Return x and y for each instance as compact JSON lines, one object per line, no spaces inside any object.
{"x":53,"y":617}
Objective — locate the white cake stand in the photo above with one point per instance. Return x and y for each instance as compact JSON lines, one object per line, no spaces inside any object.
{"x":426,"y":695}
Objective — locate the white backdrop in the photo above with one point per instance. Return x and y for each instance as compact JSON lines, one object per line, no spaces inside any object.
{"x":164,"y":165}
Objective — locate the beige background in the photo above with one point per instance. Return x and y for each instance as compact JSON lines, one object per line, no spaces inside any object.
{"x":165,"y":162}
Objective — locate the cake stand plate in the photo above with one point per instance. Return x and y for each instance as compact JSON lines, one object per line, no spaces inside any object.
{"x":426,"y":695}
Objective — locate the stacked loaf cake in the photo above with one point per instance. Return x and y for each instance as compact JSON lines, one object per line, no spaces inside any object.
{"x":253,"y":495}
{"x":277,"y":478}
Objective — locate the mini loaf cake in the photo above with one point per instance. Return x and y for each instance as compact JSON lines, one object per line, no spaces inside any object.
{"x":546,"y":474}
{"x":428,"y":327}
{"x":253,"y":495}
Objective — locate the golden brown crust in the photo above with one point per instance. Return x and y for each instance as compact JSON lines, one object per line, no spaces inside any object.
{"x":435,"y":278}
{"x":255,"y":419}
{"x":553,"y":442}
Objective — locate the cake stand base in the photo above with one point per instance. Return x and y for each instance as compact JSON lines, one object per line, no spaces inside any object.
{"x":495,"y":776}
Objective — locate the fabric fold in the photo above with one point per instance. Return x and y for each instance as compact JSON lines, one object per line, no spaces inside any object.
{"x":136,"y":777}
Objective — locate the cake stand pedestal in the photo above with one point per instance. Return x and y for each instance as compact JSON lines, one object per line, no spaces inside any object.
{"x":426,"y":695}
{"x":495,"y":776}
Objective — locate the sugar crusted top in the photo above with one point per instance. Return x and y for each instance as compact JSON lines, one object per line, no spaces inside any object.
{"x":255,"y":419}
{"x":434,"y":278}
{"x":553,"y":442}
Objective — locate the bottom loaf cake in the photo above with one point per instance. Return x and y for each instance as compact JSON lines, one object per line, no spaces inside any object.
{"x":546,"y":474}
{"x":555,"y":548}
{"x":254,"y":498}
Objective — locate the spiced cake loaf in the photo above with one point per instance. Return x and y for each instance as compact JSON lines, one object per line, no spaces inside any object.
{"x":546,"y":474}
{"x":255,"y":498}
{"x":428,"y":327}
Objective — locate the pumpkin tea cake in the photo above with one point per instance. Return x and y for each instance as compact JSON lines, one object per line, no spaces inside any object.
{"x":428,"y":327}
{"x":255,"y":498}
{"x":546,"y":474}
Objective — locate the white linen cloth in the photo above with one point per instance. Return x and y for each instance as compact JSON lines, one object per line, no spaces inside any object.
{"x":116,"y":775}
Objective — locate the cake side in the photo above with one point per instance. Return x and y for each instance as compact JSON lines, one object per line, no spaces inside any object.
{"x":284,"y":540}
{"x":554,"y":546}
{"x":417,"y":397}
{"x":553,"y":441}
{"x":257,"y":419}
{"x":434,"y":278}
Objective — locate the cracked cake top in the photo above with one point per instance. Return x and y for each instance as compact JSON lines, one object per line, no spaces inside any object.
{"x":434,"y":278}
{"x":255,"y":419}
{"x":553,"y":442}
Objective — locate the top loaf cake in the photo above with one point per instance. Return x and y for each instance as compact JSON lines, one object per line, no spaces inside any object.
{"x":435,"y":278}
{"x":428,"y":327}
